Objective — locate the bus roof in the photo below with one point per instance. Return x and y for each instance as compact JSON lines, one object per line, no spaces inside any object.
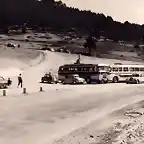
{"x":82,"y":64}
{"x":78,"y":65}
{"x":131,"y":65}
{"x":103,"y":64}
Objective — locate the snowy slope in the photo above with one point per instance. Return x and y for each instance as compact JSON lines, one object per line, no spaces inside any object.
{"x":42,"y":117}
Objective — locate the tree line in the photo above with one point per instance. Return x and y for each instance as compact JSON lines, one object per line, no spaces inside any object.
{"x":48,"y":13}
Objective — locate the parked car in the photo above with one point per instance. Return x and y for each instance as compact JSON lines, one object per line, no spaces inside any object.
{"x":60,"y":50}
{"x":28,"y":38}
{"x":132,"y":80}
{"x":63,"y":50}
{"x":3,"y":83}
{"x":48,"y":78}
{"x":11,"y":45}
{"x":74,"y":79}
{"x":49,"y":49}
{"x":66,"y":51}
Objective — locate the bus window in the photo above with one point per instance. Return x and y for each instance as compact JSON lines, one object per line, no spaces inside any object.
{"x":115,"y":69}
{"x":65,"y":69}
{"x":82,"y":69}
{"x":106,"y":68}
{"x":132,"y":69}
{"x":137,"y":69}
{"x":120,"y":69}
{"x":141,"y":69}
{"x":85,"y":69}
{"x":101,"y":68}
{"x":95,"y":69}
{"x":90,"y":69}
{"x":75,"y":69}
{"x":110,"y":70}
{"x":125,"y":69}
{"x":70,"y":69}
{"x":78,"y":69}
{"x":61,"y":69}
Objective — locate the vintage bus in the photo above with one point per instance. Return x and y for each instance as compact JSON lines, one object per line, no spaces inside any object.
{"x":92,"y":73}
{"x":120,"y":72}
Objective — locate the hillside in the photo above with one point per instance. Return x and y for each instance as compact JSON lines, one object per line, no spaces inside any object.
{"x":48,"y":13}
{"x":67,"y":114}
{"x":60,"y":111}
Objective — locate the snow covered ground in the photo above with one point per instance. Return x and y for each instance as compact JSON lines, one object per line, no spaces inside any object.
{"x":60,"y":112}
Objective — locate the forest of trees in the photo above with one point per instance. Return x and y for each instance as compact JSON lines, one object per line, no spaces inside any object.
{"x":48,"y":13}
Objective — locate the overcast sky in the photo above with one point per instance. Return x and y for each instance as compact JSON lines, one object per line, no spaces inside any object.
{"x":120,"y":10}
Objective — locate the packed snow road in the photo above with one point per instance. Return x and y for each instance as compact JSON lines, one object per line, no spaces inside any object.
{"x":41,"y":118}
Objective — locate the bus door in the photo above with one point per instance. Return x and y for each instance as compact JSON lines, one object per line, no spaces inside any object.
{"x":94,"y":74}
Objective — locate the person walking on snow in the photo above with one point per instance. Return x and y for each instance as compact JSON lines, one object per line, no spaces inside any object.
{"x":9,"y":82}
{"x":20,"y":81}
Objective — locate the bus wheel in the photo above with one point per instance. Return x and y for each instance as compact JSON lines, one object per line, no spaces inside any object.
{"x":115,"y":79}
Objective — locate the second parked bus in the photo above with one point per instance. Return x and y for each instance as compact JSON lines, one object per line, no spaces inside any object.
{"x":120,"y":72}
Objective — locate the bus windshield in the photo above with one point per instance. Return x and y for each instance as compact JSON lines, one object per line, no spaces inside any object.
{"x":104,"y":68}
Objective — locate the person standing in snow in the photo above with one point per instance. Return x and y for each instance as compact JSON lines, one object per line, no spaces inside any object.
{"x":9,"y":82}
{"x":20,"y":81}
{"x":78,"y":60}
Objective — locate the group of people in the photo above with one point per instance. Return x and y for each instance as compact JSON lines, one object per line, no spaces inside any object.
{"x":20,"y":81}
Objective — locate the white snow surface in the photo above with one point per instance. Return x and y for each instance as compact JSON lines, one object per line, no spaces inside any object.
{"x":43,"y":117}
